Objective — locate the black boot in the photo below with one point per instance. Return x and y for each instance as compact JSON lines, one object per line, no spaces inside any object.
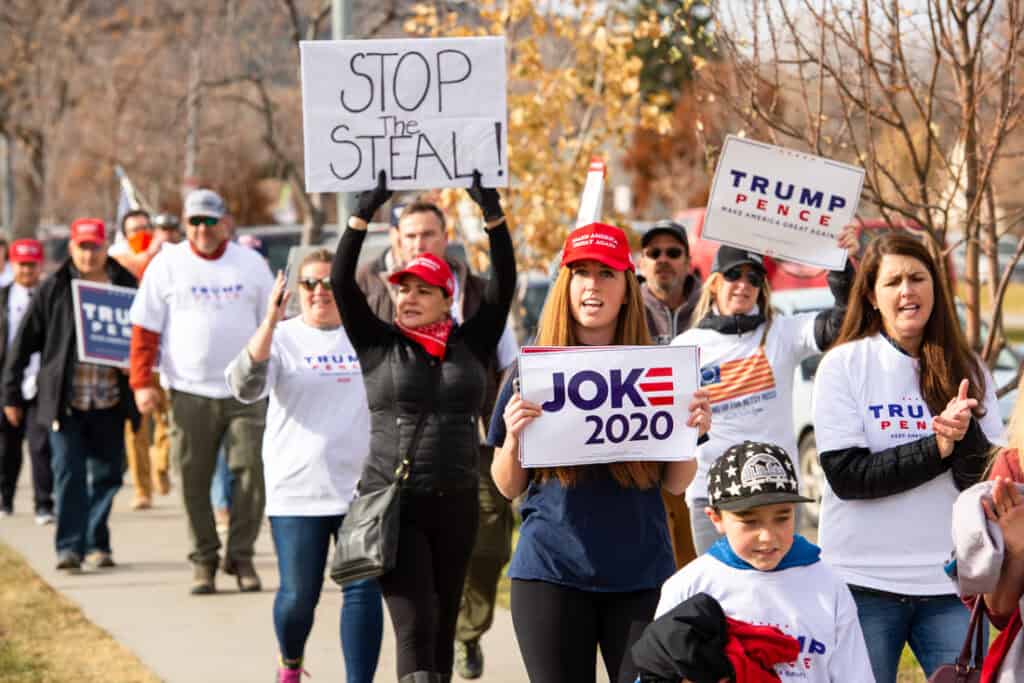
{"x":421,"y":677}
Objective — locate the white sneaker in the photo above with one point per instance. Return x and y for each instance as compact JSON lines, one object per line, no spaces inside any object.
{"x":6,"y":512}
{"x":44,"y":518}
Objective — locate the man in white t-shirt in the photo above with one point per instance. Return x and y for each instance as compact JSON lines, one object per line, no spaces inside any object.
{"x":761,"y":573}
{"x":199,"y":303}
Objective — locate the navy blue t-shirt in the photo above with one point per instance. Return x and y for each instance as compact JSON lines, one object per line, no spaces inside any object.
{"x":595,"y":535}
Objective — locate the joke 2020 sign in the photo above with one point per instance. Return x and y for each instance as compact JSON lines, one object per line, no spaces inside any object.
{"x":611,"y":404}
{"x":425,"y":111}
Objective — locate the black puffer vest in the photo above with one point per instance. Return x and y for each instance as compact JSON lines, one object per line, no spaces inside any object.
{"x":407,"y":381}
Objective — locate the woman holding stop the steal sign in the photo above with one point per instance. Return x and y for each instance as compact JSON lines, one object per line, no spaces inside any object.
{"x":593,"y":547}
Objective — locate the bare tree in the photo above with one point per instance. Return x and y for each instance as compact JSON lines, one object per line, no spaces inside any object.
{"x":923,"y":95}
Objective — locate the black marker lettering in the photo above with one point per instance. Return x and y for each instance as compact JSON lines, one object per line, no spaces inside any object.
{"x":426,"y":86}
{"x":393,"y":153}
{"x":441,"y":82}
{"x":383,"y":56}
{"x":359,"y":152}
{"x":352,"y":67}
{"x":433,"y":153}
{"x":455,"y":159}
{"x":373,"y":151}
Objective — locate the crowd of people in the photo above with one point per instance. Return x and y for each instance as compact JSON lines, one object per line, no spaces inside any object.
{"x":405,"y":368}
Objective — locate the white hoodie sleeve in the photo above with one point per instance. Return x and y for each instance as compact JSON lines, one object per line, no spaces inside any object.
{"x":850,"y":661}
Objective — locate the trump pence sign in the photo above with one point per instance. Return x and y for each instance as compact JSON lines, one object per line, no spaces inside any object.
{"x":103,"y":327}
{"x":610,"y":404}
{"x":781,"y":202}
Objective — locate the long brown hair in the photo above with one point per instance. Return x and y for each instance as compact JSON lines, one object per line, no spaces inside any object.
{"x":710,"y":291}
{"x":557,"y":328}
{"x":945,"y":358}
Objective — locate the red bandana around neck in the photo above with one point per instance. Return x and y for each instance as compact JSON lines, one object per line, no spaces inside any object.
{"x":433,"y":337}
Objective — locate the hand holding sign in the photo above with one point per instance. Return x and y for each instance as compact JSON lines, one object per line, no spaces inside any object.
{"x":519,"y":414}
{"x":848,"y":241}
{"x":487,"y":198}
{"x":700,"y":412}
{"x":369,"y":201}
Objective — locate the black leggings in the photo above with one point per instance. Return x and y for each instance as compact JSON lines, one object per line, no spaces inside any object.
{"x":424,"y":589}
{"x":559,"y":630}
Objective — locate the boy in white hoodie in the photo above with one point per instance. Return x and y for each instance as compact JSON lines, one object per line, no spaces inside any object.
{"x":762,"y":573}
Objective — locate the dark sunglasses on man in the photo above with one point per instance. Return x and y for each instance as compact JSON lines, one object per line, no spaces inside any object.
{"x":208,"y":221}
{"x":672,"y":252}
{"x":755,"y":278}
{"x":310,"y":283}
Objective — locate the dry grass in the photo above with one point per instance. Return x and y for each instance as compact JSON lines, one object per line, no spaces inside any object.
{"x":44,"y":638}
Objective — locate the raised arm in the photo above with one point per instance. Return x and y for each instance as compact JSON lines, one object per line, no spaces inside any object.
{"x":840,"y":282}
{"x":486,"y":326}
{"x":363,"y":327}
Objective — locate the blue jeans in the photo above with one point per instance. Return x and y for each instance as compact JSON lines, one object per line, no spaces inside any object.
{"x":303,"y":544}
{"x":223,"y":480}
{"x":935,"y":627}
{"x":88,"y":463}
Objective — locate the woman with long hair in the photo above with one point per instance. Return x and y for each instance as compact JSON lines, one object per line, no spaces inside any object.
{"x":313,"y":451}
{"x":748,"y":355}
{"x":593,"y":547}
{"x":904,"y":413}
{"x":426,"y":381}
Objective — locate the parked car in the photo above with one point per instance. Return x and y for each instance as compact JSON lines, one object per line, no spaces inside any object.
{"x":812,"y":478}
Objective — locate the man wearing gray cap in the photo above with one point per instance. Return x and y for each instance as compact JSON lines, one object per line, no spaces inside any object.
{"x":198,"y":305}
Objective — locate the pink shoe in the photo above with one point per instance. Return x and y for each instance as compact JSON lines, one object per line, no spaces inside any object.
{"x":286,"y":675}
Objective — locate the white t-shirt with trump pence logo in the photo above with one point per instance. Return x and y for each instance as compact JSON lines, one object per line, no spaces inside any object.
{"x":867,"y":395}
{"x":205,"y":311}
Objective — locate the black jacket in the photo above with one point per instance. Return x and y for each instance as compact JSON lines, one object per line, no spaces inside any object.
{"x":5,"y":323}
{"x":402,"y":379}
{"x":49,"y":327}
{"x":686,"y":642}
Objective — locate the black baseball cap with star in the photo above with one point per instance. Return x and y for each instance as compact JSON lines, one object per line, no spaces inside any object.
{"x":752,"y":474}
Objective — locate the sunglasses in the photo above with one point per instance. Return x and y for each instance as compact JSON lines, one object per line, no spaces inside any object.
{"x":753,"y":277}
{"x":208,"y":221}
{"x":310,"y":283}
{"x":672,"y":252}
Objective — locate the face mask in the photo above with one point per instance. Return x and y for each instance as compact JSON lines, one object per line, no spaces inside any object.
{"x":140,"y":241}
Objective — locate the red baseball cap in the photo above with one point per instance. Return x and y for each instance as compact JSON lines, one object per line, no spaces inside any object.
{"x":26,"y":251}
{"x":600,"y":242}
{"x":430,"y":269}
{"x":88,"y":230}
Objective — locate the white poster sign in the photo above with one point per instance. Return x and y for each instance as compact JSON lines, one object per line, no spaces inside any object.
{"x":609,"y":404}
{"x":425,"y":111}
{"x":782,"y":203}
{"x":592,"y":199}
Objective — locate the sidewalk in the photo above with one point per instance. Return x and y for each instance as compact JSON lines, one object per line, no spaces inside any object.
{"x":227,"y":637}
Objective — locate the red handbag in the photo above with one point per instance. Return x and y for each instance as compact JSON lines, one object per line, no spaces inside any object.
{"x":967,"y":668}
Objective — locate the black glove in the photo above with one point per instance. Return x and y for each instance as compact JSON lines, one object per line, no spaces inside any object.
{"x":369,"y":201}
{"x":487,"y":198}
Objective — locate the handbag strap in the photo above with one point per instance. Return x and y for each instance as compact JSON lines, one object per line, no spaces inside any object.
{"x":405,"y":464}
{"x":975,"y":632}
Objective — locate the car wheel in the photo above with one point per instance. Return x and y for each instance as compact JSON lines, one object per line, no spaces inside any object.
{"x":812,"y":479}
